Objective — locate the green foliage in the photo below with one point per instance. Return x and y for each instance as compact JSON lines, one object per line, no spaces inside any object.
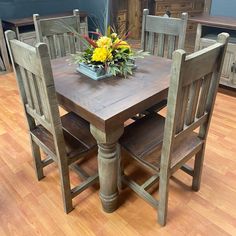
{"x":118,"y":58}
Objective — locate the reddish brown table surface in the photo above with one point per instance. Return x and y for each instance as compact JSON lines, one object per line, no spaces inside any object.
{"x":110,"y":101}
{"x":216,"y":21}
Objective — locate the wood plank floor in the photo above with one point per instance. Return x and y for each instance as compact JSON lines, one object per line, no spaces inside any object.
{"x":29,"y":207}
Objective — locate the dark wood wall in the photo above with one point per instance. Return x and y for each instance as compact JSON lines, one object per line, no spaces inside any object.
{"x":129,"y":13}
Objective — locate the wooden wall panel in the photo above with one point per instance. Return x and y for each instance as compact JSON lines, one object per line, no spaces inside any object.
{"x":176,"y":7}
{"x":134,"y":18}
{"x":134,"y":9}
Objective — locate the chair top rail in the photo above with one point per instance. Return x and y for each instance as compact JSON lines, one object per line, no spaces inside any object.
{"x":163,"y":25}
{"x":56,"y":25}
{"x":203,"y":61}
{"x":25,"y":56}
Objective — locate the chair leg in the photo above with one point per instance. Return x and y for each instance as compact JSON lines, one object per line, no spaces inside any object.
{"x":197,"y":173}
{"x":37,"y":160}
{"x":65,"y":187}
{"x":163,"y":200}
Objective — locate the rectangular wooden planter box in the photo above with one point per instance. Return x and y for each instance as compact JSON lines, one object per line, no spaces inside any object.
{"x":96,"y":73}
{"x":93,"y":72}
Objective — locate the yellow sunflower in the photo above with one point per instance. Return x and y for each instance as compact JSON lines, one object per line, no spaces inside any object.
{"x":101,"y":55}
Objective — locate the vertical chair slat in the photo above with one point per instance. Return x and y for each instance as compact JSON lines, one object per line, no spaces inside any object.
{"x":27,"y":87}
{"x":193,"y":101}
{"x":71,"y":42}
{"x":61,"y":45}
{"x":151,"y":42}
{"x":161,"y":45}
{"x":203,"y":97}
{"x":182,"y":112}
{"x":35,"y":93}
{"x":51,"y":44}
{"x":42,"y":93}
{"x":147,"y":41}
{"x":170,"y":45}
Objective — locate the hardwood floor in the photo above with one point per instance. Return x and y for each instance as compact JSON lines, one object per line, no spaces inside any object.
{"x":29,"y":207}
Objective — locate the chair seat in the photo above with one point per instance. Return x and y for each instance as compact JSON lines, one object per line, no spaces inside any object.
{"x":145,"y":136}
{"x":78,"y":139}
{"x":79,"y":129}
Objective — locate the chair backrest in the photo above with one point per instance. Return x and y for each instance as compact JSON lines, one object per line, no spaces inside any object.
{"x":4,"y":62}
{"x":36,"y":85}
{"x":162,"y":35}
{"x":58,"y":34}
{"x":192,"y":93}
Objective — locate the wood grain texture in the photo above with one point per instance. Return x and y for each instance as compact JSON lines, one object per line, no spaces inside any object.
{"x":29,"y":208}
{"x":110,"y":102}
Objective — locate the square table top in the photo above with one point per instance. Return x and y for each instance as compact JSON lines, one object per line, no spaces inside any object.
{"x":110,"y":102}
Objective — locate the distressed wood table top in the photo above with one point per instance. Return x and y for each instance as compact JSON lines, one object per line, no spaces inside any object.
{"x":110,"y":102}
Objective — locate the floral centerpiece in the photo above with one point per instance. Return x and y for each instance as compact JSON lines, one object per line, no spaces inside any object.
{"x":107,"y":55}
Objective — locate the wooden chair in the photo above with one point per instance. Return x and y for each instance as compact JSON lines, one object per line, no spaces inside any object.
{"x":4,"y":60}
{"x":58,"y":34}
{"x":164,"y":145}
{"x":161,"y":36}
{"x":65,"y":139}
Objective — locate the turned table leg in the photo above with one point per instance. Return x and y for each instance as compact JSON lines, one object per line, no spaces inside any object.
{"x":108,"y":166}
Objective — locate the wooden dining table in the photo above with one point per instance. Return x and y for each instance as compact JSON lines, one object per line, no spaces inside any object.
{"x":106,"y":104}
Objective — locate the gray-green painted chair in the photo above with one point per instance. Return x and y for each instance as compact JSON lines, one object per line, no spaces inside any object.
{"x":58,"y":33}
{"x":164,"y":145}
{"x":161,"y":36}
{"x":65,"y":139}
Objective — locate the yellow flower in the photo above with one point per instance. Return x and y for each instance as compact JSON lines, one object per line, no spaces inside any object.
{"x":105,"y":42}
{"x":101,"y":55}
